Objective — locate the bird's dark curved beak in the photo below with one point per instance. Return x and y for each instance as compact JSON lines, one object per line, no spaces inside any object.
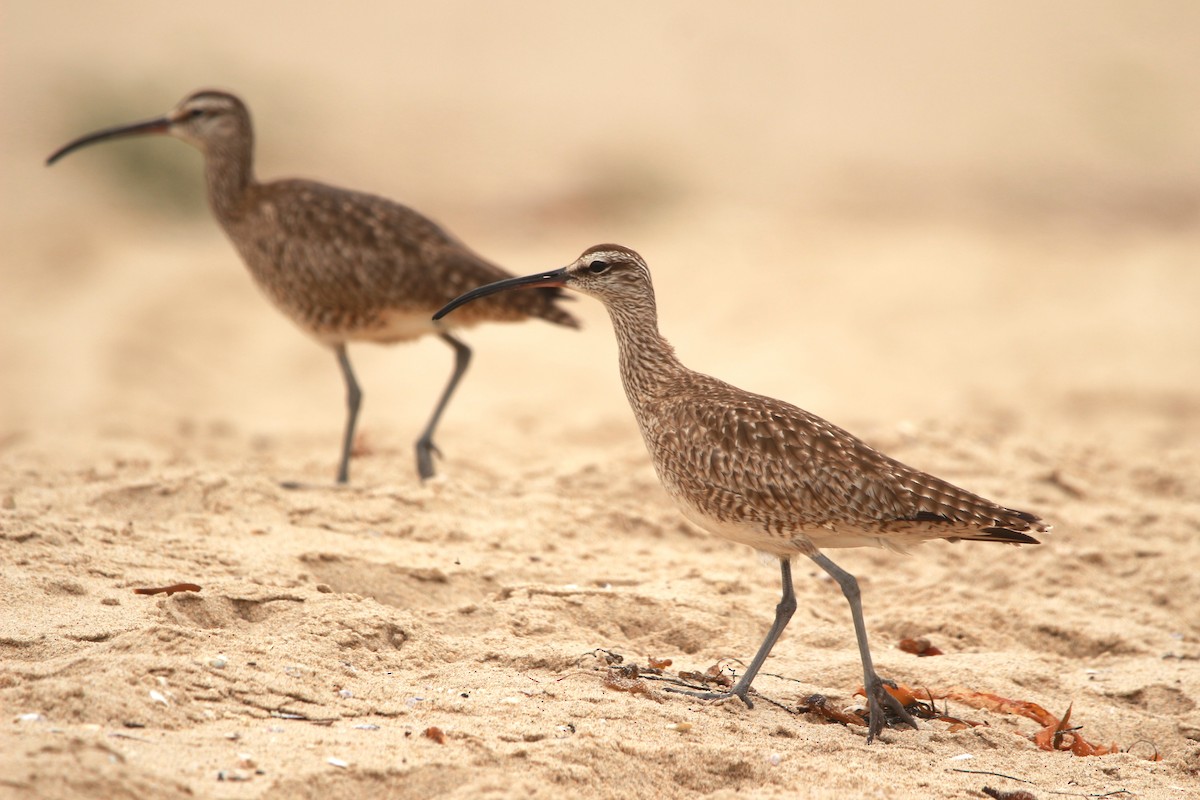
{"x":556,"y":278}
{"x":156,"y":125}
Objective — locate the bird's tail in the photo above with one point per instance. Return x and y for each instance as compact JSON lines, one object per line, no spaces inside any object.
{"x":1012,"y":527}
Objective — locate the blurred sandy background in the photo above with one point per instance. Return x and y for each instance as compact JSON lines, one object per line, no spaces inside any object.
{"x":967,"y":232}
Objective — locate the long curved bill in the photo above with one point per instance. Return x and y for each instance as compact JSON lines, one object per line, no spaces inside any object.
{"x":557,"y":278}
{"x":156,"y":125}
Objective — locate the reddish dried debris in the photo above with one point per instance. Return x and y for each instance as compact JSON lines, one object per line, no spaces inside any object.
{"x":1055,"y":734}
{"x":625,"y":679}
{"x":713,"y":676}
{"x":819,"y":704}
{"x":920,"y":647}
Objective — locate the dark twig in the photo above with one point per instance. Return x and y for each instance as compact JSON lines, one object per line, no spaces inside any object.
{"x":995,"y":774}
{"x":168,"y":590}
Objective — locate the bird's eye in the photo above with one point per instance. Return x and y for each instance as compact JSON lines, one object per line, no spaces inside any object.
{"x":195,"y":113}
{"x":596,"y":267}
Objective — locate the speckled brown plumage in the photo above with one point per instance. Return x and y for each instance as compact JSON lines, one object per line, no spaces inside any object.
{"x":344,"y":266}
{"x":766,"y":473}
{"x":776,"y":472}
{"x":395,"y":267}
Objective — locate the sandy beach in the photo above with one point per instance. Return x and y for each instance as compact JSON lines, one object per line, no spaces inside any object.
{"x":985,"y":267}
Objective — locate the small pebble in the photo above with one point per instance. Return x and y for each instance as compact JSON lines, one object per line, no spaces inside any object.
{"x":337,"y":762}
{"x":774,"y":759}
{"x":680,"y":727}
{"x":158,"y":697}
{"x":233,"y":775}
{"x":345,"y":693}
{"x":962,"y":757}
{"x":31,"y":717}
{"x":367,"y":727}
{"x":218,"y":661}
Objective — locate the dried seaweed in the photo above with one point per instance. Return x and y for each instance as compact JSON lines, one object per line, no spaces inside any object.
{"x":920,"y":647}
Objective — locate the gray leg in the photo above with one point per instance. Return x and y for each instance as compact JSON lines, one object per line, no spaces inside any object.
{"x":783,"y":614}
{"x":353,"y":403}
{"x":425,"y":446}
{"x":877,"y":696}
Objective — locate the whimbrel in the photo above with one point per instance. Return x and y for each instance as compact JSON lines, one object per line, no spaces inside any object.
{"x":344,"y":266}
{"x":766,"y":473}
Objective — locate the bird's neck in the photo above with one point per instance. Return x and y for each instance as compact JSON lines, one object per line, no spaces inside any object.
{"x":648,"y":362}
{"x":229,"y":172}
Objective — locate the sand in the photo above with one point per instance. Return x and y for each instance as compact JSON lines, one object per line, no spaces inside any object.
{"x":455,"y":639}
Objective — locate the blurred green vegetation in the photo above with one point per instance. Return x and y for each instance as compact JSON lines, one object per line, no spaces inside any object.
{"x":155,"y":175}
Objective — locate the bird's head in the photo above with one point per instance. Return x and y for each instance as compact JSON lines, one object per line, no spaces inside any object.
{"x":206,"y":119}
{"x":613,"y":274}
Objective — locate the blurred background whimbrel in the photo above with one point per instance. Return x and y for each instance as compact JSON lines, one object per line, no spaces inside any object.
{"x":344,"y":266}
{"x":766,"y":473}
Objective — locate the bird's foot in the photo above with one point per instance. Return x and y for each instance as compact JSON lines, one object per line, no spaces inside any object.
{"x":884,"y":709}
{"x":426,"y":450}
{"x":716,"y":697}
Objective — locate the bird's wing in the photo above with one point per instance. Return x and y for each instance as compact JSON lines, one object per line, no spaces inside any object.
{"x":365,"y":251}
{"x":792,"y":470}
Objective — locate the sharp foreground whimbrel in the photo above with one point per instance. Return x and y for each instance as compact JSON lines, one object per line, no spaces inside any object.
{"x":766,"y":473}
{"x":344,"y":266}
